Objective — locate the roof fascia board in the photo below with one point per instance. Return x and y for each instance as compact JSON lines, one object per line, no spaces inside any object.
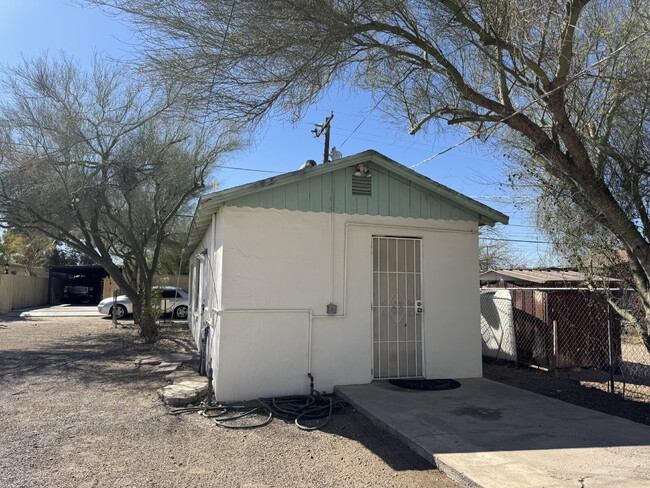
{"x":486,"y":215}
{"x":458,"y":198}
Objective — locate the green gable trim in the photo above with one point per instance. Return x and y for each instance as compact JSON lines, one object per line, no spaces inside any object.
{"x":392,"y":196}
{"x":397,"y":191}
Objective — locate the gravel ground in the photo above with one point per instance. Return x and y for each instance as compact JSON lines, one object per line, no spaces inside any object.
{"x":76,"y":412}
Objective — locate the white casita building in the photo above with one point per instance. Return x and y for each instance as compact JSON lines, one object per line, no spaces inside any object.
{"x":351,"y":271}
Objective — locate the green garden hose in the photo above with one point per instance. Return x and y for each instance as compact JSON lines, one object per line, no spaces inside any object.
{"x":299,"y":408}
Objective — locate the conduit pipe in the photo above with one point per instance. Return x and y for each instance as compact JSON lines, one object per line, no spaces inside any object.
{"x":279,"y":310}
{"x":308,"y":311}
{"x":349,"y":224}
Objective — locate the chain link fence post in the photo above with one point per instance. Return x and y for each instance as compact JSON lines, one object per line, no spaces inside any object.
{"x":555,"y":358}
{"x":610,"y":344}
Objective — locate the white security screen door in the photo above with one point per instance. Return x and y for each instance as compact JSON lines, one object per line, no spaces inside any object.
{"x":396,"y":306}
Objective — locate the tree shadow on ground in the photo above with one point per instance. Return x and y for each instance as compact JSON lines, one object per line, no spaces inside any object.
{"x":89,"y":357}
{"x":569,"y":390}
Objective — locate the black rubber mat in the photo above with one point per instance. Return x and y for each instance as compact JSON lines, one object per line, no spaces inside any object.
{"x":426,"y":384}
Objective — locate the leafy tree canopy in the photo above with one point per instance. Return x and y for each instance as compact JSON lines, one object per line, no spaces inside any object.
{"x":102,"y":161}
{"x":563,"y":85}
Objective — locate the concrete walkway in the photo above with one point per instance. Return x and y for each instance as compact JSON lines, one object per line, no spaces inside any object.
{"x":65,"y":310}
{"x":489,"y":435}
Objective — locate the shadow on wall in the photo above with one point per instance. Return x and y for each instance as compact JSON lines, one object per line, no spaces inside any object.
{"x":497,"y":325}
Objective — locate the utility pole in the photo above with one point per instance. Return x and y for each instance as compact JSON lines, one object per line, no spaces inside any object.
{"x":324,"y":128}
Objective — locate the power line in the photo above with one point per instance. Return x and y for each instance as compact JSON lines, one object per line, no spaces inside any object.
{"x":218,"y":62}
{"x":505,"y":197}
{"x":252,"y":170}
{"x":514,"y":240}
{"x":535,"y":100}
{"x":365,"y":118}
{"x":399,"y":82}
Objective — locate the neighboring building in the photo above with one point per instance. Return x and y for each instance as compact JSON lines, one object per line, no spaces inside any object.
{"x":350,"y":271}
{"x":547,"y":277}
{"x":547,"y":317}
{"x":16,"y":269}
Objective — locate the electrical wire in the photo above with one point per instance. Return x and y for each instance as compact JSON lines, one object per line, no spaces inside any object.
{"x":532,"y":102}
{"x":365,"y":118}
{"x":514,"y":240}
{"x":395,"y":85}
{"x":218,"y":62}
{"x":253,"y":170}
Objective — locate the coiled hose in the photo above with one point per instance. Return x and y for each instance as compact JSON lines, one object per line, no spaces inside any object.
{"x":298,"y":408}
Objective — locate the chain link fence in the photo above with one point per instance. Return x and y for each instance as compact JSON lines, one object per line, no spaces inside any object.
{"x":569,"y":333}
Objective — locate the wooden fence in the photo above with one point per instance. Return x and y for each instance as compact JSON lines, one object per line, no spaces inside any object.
{"x":159,"y":280}
{"x":22,"y":291}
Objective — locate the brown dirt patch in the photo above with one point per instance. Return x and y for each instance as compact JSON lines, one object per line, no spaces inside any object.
{"x":585,"y":393}
{"x":77,"y":412}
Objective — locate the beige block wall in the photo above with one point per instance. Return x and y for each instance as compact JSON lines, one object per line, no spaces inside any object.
{"x":21,"y":292}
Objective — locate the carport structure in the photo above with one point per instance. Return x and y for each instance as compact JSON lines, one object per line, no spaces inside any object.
{"x":76,"y":284}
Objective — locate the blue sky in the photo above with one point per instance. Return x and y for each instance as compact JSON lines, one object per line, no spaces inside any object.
{"x":30,"y":27}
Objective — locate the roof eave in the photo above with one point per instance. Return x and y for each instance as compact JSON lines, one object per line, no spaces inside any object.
{"x":208,"y":204}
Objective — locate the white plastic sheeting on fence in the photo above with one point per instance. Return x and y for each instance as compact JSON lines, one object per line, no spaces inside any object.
{"x":497,"y":325}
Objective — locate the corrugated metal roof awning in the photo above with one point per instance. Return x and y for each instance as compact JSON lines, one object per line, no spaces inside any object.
{"x":539,"y":276}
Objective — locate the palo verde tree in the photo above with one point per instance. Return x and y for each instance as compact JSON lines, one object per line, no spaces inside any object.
{"x":101,"y":161}
{"x":563,"y":81}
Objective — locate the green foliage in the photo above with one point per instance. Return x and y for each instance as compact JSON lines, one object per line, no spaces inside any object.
{"x":102,"y":161}
{"x":31,"y":249}
{"x":37,"y":251}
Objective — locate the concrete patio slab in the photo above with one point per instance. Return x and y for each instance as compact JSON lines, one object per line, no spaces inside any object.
{"x":489,"y":435}
{"x":60,"y":311}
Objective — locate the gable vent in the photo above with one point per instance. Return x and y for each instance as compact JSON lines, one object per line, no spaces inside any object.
{"x":362,"y":185}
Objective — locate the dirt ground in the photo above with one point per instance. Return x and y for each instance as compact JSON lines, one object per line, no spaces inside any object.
{"x":76,"y":412}
{"x":588,"y":394}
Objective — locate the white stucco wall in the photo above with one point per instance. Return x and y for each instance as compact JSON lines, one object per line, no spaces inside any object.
{"x":282,"y":262}
{"x":207,"y":283}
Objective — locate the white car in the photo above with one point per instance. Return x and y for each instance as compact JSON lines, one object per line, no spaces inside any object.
{"x":174,"y":301}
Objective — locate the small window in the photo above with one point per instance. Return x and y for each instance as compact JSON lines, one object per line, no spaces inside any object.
{"x":362,"y":185}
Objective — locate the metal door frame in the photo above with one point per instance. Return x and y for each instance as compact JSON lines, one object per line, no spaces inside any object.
{"x":372,"y":308}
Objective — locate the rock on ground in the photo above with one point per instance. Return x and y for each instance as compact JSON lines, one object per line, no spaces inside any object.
{"x":186,"y":389}
{"x":76,"y":412}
